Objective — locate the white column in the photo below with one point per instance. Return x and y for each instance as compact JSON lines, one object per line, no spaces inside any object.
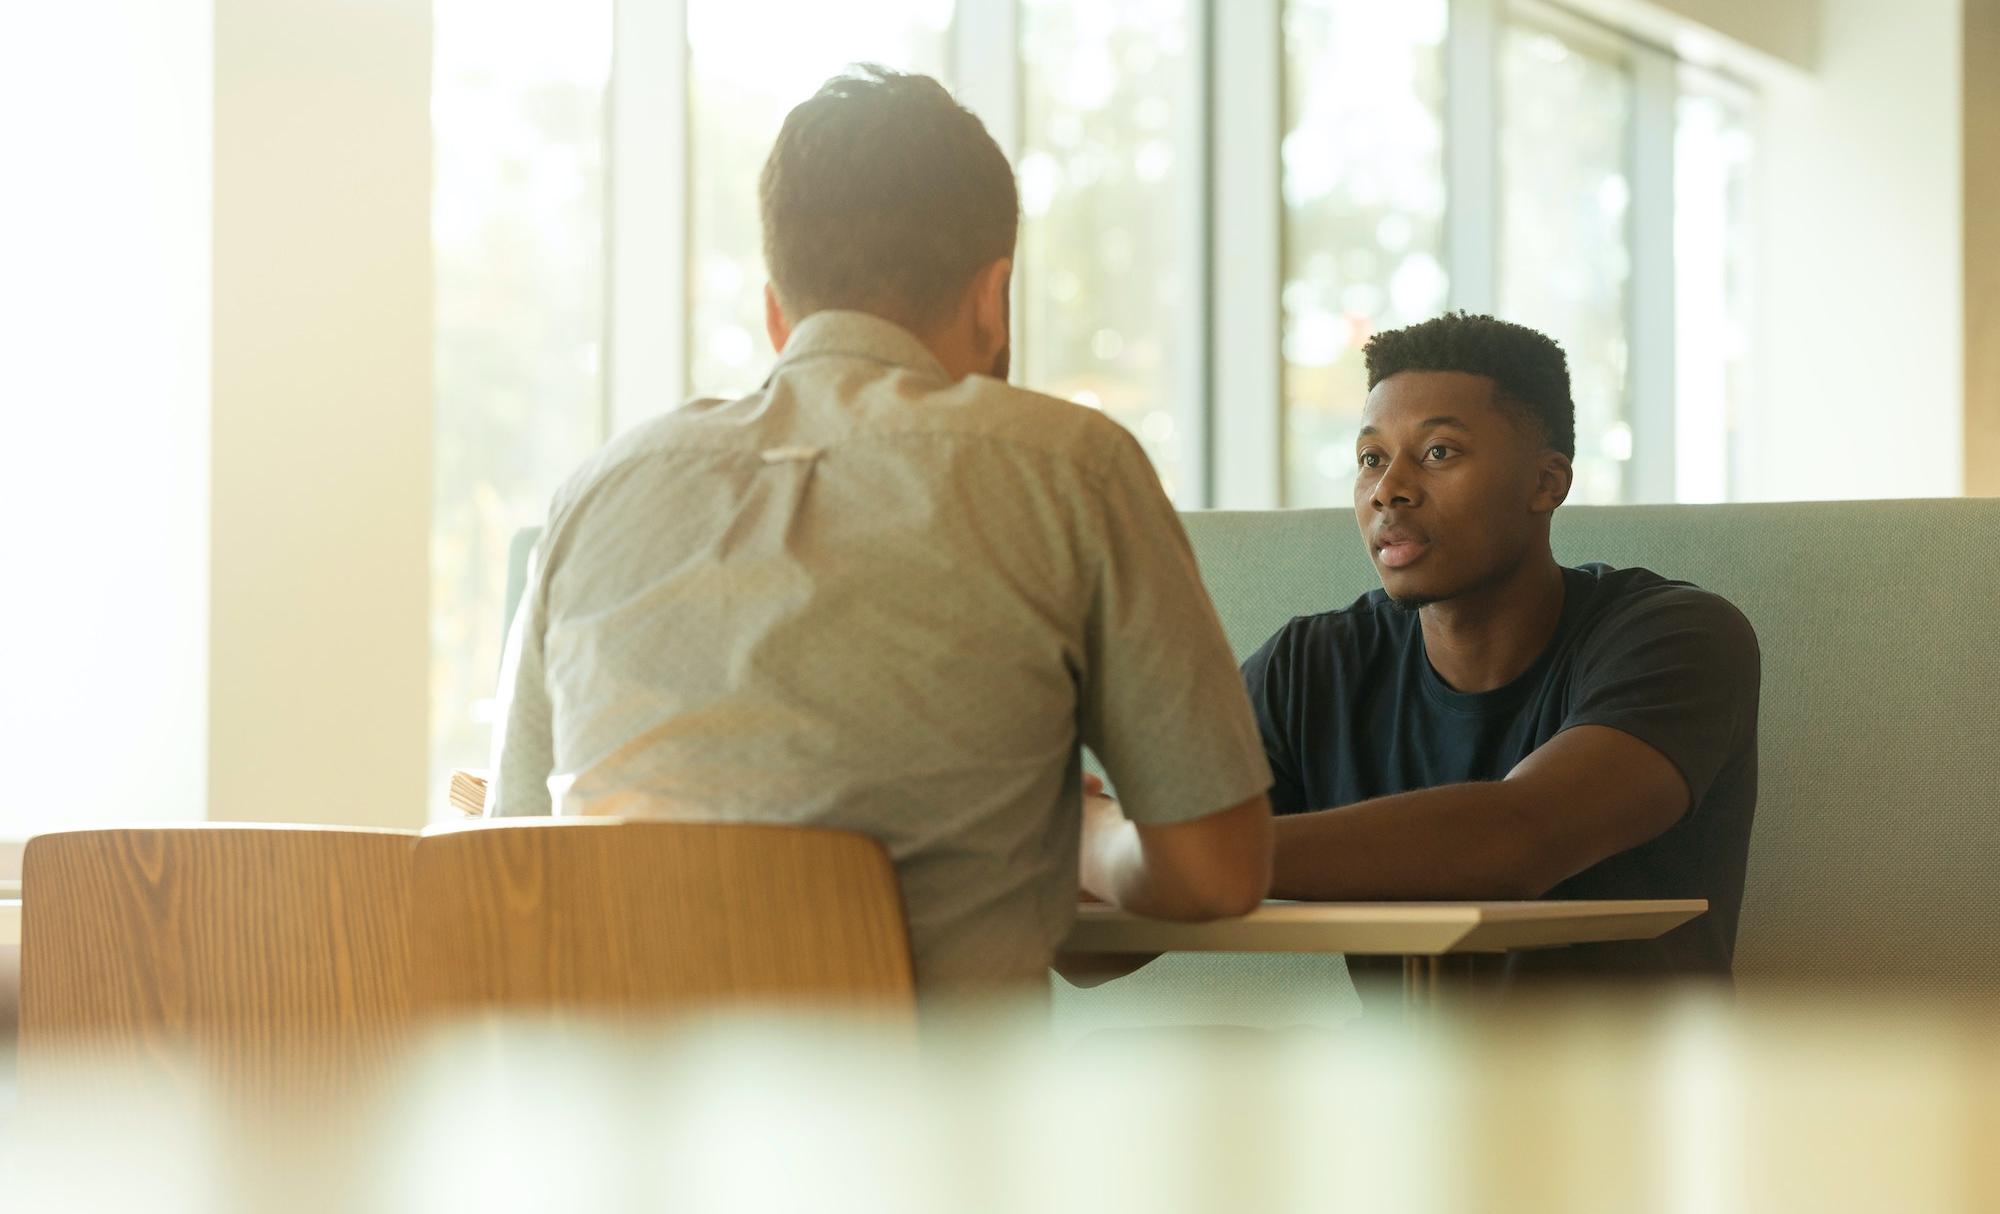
{"x":1472,"y":155}
{"x":1247,"y":252}
{"x":104,"y":379}
{"x":1651,"y":395}
{"x":986,"y":67}
{"x":647,"y":222}
{"x":321,"y":443}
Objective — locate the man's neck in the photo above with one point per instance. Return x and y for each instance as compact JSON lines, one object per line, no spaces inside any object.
{"x":1488,"y":638}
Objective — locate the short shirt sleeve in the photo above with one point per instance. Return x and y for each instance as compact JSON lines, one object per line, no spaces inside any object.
{"x":1161,"y":702}
{"x":1271,"y":676}
{"x":1677,"y":669}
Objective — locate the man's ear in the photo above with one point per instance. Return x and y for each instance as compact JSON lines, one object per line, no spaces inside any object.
{"x":1553,"y":477}
{"x":991,"y":318}
{"x":775,"y":326}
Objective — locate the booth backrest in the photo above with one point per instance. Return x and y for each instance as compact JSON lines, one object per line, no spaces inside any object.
{"x":1875,"y":858}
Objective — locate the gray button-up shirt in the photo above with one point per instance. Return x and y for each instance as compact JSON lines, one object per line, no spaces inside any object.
{"x":869,"y":597}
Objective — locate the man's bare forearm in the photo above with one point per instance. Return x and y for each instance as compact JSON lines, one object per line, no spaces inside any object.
{"x":1583,"y":796}
{"x":1458,"y":841}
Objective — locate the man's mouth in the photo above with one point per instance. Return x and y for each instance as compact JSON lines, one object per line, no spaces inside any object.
{"x":1400,"y":553}
{"x":1398,"y":545}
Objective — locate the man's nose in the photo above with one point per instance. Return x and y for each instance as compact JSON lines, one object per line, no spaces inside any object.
{"x":1397,"y":486}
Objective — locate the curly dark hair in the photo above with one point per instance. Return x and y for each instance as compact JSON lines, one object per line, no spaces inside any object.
{"x":883,"y":193}
{"x":1528,"y":368}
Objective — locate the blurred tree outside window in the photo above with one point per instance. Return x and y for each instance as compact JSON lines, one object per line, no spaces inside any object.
{"x":1714,"y":152}
{"x":1565,"y":263}
{"x":1363,"y":180}
{"x":517,"y":228}
{"x":1105,"y":275}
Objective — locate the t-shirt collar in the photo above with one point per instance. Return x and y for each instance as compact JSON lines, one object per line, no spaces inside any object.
{"x":1576,"y":588}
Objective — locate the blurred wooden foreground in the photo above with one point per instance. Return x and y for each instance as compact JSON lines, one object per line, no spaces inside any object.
{"x":1683,"y":1105}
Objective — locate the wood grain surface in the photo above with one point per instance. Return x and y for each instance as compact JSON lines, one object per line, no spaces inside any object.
{"x":257,"y":951}
{"x":1383,"y":928}
{"x":600,"y":914}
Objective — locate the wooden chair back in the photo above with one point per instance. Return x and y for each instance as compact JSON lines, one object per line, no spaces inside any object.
{"x":256,"y":950}
{"x":645,"y":917}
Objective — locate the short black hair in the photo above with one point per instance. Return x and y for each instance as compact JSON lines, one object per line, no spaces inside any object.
{"x":1528,"y":367}
{"x":885,"y":195}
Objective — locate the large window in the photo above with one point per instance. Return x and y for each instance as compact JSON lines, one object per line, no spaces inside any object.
{"x":1222,"y":201}
{"x":517,"y":229}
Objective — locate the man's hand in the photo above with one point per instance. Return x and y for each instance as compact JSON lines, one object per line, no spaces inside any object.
{"x":1100,"y":814}
{"x":1093,"y":791}
{"x":1093,"y":969}
{"x":1212,"y":867}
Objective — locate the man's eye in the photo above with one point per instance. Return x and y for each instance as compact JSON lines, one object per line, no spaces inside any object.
{"x":1371,"y":459}
{"x":1438,"y":451}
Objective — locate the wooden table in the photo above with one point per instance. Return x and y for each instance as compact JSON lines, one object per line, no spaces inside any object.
{"x":1413,"y":930}
{"x":1422,"y":933}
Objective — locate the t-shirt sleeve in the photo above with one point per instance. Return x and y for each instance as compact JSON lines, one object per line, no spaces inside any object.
{"x":1679,"y":671}
{"x":1269,"y":676}
{"x":1161,"y":703}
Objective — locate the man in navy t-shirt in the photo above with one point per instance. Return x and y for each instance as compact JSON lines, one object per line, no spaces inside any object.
{"x":1490,"y":724}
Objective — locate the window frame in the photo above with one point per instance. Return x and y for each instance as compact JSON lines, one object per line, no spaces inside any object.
{"x":1649,"y":227}
{"x":646,"y":232}
{"x":1232,"y":407}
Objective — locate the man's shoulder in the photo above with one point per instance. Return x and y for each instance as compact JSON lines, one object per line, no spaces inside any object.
{"x":981,"y":407}
{"x":1637,"y":598}
{"x":687,"y":429}
{"x":977,"y":410}
{"x":1367,"y":627}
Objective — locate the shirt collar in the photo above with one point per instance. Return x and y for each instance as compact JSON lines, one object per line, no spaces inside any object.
{"x":858,"y":335}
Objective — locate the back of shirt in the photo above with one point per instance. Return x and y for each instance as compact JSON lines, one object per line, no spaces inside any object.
{"x":871,"y":598}
{"x":1351,"y":709}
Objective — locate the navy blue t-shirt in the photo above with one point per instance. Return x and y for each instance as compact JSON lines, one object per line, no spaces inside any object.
{"x":1351,"y":709}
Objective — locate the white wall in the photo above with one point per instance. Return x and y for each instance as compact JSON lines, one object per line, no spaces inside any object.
{"x":104,"y":412}
{"x":321,"y":478}
{"x":1981,"y":66}
{"x":1862,"y":271}
{"x":1772,"y":32}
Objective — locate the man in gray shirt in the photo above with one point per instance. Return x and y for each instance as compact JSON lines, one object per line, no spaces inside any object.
{"x":890,"y":593}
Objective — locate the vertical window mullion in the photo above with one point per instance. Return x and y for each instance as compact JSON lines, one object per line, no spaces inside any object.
{"x":1194,"y":406}
{"x":646,"y":229}
{"x":1246,"y":247}
{"x":1651,"y":367}
{"x":1472,"y":160}
{"x":986,"y":67}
